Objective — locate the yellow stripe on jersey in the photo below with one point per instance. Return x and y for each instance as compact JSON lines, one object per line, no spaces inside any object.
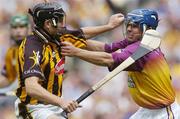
{"x":77,"y":42}
{"x":23,"y":94}
{"x":21,"y":51}
{"x":51,"y":76}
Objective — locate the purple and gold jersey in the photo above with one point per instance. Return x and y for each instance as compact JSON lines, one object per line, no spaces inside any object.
{"x":149,"y":79}
{"x":39,"y":59}
{"x":10,"y":68}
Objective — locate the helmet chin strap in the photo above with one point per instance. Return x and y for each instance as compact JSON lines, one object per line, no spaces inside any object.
{"x":45,"y":36}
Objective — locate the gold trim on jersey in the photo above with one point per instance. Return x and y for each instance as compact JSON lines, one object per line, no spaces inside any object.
{"x":77,"y":42}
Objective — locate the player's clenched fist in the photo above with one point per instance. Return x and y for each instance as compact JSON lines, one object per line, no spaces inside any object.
{"x":69,"y":106}
{"x":68,"y":49}
{"x":116,"y":20}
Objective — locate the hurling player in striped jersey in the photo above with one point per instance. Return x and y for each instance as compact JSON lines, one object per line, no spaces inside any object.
{"x":41,"y":64}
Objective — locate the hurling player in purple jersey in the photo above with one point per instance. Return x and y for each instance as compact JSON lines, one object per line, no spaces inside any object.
{"x":149,"y":79}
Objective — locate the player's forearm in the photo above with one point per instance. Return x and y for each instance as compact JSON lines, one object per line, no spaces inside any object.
{"x":90,"y":32}
{"x":98,"y":58}
{"x":37,"y":91}
{"x":114,"y":21}
{"x":95,"y":45}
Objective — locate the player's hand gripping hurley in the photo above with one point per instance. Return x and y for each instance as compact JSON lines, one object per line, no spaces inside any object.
{"x":150,"y":41}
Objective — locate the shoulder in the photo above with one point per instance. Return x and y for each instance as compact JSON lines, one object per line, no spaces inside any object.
{"x":32,"y":42}
{"x":33,"y":39}
{"x":157,"y":53}
{"x":11,"y":49}
{"x":77,"y":33}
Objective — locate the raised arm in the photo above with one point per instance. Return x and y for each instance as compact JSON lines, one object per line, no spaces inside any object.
{"x":95,"y":57}
{"x":114,"y":21}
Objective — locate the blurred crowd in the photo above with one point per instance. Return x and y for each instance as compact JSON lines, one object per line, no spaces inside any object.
{"x":112,"y":101}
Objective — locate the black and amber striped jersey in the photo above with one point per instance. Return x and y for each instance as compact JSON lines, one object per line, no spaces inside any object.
{"x":10,"y":68}
{"x":37,"y":58}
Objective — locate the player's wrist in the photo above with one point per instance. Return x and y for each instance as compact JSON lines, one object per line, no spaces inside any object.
{"x":77,"y":52}
{"x":60,"y":103}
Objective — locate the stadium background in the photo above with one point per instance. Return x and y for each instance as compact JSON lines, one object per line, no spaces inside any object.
{"x":113,"y":100}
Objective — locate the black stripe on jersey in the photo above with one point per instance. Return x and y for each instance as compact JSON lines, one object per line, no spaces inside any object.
{"x":59,"y":52}
{"x":55,"y":85}
{"x":60,"y":89}
{"x":28,"y":98}
{"x":46,"y":73}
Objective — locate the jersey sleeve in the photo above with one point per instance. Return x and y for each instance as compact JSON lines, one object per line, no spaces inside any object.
{"x":115,"y":46}
{"x":76,"y":37}
{"x":32,"y":58}
{"x":119,"y":57}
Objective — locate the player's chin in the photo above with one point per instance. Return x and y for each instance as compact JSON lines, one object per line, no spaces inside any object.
{"x":129,"y":36}
{"x":130,"y":39}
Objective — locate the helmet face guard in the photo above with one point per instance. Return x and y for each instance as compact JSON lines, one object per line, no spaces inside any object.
{"x":48,"y":11}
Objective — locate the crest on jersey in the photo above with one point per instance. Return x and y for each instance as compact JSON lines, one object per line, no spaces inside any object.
{"x":59,"y":68}
{"x":35,"y":58}
{"x":131,"y":83}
